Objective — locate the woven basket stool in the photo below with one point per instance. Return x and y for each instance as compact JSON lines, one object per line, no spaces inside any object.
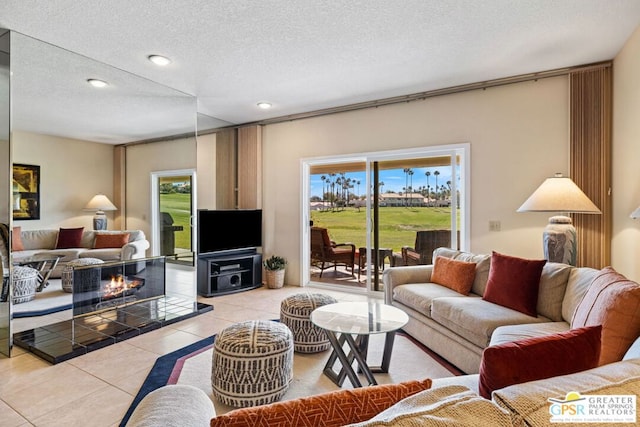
{"x":252,"y":363}
{"x":90,"y":278}
{"x":25,"y":283}
{"x":295,"y":312}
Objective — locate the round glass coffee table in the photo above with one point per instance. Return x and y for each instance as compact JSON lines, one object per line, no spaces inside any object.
{"x":352,"y":323}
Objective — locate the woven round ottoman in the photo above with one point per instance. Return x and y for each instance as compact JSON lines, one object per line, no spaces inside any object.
{"x":252,"y":363}
{"x":89,"y":279}
{"x":295,"y":312}
{"x":25,"y":283}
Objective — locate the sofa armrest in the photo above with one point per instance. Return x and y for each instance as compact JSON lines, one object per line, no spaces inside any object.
{"x":173,"y":406}
{"x":134,"y":250}
{"x":395,"y":276}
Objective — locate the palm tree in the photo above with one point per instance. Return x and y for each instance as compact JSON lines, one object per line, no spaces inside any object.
{"x":358,"y":184}
{"x":323,"y":178}
{"x":428,"y":174}
{"x":406,"y":183}
{"x":436,"y":173}
{"x":410,"y":173}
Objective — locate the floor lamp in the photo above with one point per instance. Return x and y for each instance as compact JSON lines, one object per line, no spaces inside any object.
{"x":100,"y":203}
{"x":559,"y":194}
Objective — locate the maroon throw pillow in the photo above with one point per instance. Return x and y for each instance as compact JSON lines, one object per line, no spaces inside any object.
{"x":69,"y":238}
{"x":538,"y":358}
{"x":514,"y":283}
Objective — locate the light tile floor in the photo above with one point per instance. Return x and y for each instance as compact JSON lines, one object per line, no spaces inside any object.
{"x":96,"y":389}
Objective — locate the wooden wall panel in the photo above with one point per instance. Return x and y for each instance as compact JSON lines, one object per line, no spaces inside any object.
{"x":250,"y":167}
{"x":226,"y":169}
{"x":120,"y":187}
{"x":590,"y":160}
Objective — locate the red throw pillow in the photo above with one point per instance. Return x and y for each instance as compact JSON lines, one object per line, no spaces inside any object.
{"x":612,"y":301}
{"x":336,"y":408}
{"x":116,"y":240}
{"x":454,"y":274}
{"x":514,"y":283}
{"x":538,"y":358}
{"x":16,"y":239}
{"x":69,"y":238}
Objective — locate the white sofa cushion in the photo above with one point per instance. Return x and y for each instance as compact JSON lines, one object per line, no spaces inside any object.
{"x":529,"y":401}
{"x":419,"y":296}
{"x":553,"y":284}
{"x":579,"y":281}
{"x":511,"y":333}
{"x":444,"y":406}
{"x":475,"y":319}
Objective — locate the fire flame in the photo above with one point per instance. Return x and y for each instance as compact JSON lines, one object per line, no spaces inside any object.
{"x":118,"y":285}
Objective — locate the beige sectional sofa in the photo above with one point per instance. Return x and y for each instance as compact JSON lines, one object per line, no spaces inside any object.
{"x":37,"y":242}
{"x":460,"y":327}
{"x":449,"y":401}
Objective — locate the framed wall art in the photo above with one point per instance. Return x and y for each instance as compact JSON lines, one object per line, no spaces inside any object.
{"x":26,"y":191}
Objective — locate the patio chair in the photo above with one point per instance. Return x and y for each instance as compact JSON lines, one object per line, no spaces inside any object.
{"x":426,"y":242}
{"x":326,"y":253}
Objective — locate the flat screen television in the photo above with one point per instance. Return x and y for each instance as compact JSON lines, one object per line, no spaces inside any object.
{"x":226,"y":230}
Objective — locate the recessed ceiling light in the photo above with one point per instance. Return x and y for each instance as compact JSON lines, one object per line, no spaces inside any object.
{"x":264,"y":105}
{"x":159,"y":60}
{"x":97,"y":83}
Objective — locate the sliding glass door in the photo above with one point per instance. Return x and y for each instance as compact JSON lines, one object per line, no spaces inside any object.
{"x":389,"y":208}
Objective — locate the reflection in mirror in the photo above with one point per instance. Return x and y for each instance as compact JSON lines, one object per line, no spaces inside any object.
{"x":90,"y":141}
{"x":5,"y":204}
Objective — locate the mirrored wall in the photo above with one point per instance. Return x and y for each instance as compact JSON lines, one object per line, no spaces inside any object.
{"x":70,"y":129}
{"x":5,"y":174}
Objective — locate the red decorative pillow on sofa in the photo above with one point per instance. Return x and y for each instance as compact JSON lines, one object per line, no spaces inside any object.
{"x":69,"y":238}
{"x":612,"y":301}
{"x":336,"y":408}
{"x":116,"y":240}
{"x":16,"y":239}
{"x":454,"y":274}
{"x":514,"y":283}
{"x":538,"y":358}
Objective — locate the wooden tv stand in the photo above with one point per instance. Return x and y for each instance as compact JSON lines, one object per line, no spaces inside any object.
{"x":221,"y":273}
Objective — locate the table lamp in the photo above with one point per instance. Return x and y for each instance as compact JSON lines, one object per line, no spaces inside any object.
{"x":559,"y":194}
{"x":100,"y":203}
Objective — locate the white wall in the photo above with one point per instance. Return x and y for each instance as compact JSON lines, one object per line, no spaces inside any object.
{"x":144,"y":159}
{"x":71,"y":173}
{"x":625,"y":248}
{"x":518,"y":136}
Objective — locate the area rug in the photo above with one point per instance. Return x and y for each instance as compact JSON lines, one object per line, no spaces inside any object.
{"x":192,"y":365}
{"x":52,"y":299}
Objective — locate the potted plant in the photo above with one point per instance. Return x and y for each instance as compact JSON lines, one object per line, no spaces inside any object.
{"x":274,"y":271}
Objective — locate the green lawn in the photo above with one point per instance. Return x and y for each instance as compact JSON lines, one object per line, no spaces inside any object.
{"x":398,"y":225}
{"x":178,"y":205}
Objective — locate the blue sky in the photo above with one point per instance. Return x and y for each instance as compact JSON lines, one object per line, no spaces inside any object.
{"x":394,"y":179}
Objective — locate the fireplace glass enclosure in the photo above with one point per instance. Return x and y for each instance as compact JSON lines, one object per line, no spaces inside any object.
{"x":111,"y":285}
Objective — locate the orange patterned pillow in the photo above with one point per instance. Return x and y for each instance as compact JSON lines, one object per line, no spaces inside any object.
{"x":117,"y":240}
{"x":612,"y":301}
{"x":336,"y":408}
{"x":454,"y":274}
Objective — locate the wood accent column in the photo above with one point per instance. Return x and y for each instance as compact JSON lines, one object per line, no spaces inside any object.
{"x":120,"y":187}
{"x":250,"y":167}
{"x":590,"y":160}
{"x":226,"y":169}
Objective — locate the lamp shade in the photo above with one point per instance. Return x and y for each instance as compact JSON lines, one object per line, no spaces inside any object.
{"x":635,"y":214}
{"x":100,"y":202}
{"x":559,"y":194}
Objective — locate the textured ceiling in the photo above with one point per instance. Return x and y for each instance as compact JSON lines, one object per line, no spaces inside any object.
{"x":301,"y":55}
